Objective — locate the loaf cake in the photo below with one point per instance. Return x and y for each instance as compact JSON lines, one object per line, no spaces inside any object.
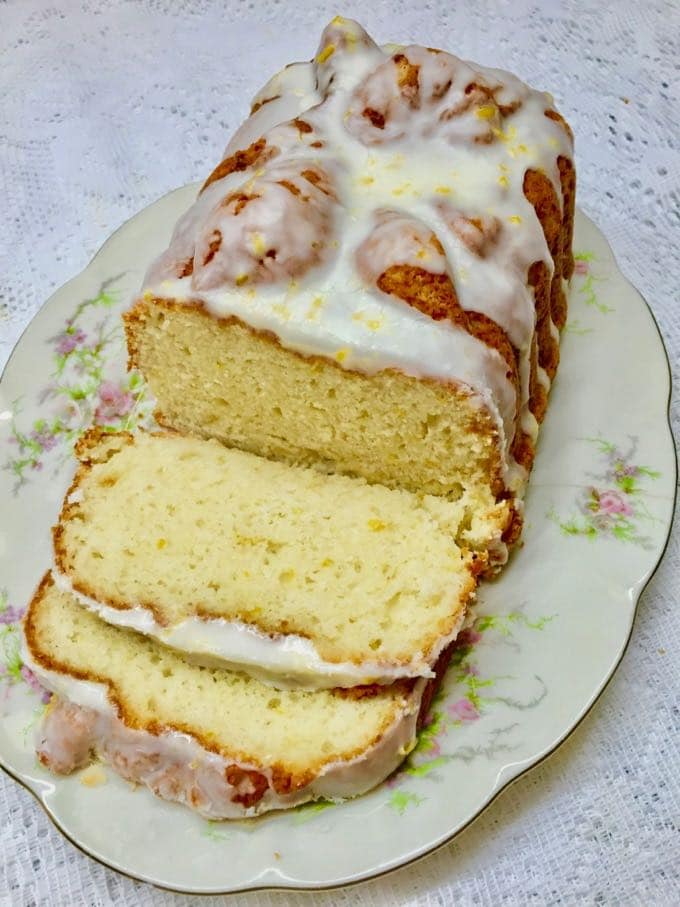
{"x":363,"y":306}
{"x":372,"y":280}
{"x":218,"y":741}
{"x":294,"y":576}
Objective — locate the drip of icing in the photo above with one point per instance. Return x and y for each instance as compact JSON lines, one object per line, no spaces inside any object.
{"x":401,"y":136}
{"x":286,"y":662}
{"x":175,"y":766}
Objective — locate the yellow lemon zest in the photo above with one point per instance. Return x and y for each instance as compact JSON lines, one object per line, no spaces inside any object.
{"x":327,"y":52}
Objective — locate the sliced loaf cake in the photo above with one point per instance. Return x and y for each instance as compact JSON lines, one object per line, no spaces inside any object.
{"x":218,"y":741}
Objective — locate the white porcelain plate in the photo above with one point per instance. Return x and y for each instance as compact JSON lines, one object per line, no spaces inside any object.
{"x":548,"y":634}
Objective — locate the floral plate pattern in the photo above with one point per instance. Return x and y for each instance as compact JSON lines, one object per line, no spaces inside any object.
{"x":546,"y":637}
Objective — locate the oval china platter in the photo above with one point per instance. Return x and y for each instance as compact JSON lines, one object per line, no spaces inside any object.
{"x":548,"y":633}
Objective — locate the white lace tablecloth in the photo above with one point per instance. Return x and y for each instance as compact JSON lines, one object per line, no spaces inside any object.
{"x":107,"y":104}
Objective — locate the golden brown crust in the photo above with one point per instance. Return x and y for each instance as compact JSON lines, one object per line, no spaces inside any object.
{"x":539,"y":192}
{"x":88,"y":448}
{"x":522,"y":449}
{"x":255,"y":107}
{"x":557,"y":221}
{"x":553,"y":114}
{"x":407,"y":80}
{"x":547,"y":346}
{"x":434,"y":295}
{"x":302,"y":125}
{"x":432,"y":686}
{"x":254,"y":154}
{"x":568,"y":182}
{"x":88,"y":452}
{"x":514,"y":528}
{"x":538,"y":396}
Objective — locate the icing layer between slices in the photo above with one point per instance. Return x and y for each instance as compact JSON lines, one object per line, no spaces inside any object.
{"x":286,"y":662}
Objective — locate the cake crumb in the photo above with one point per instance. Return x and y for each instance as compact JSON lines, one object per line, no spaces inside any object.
{"x":93,"y":776}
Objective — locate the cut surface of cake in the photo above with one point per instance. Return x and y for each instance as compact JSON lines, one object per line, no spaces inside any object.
{"x":218,"y":741}
{"x":372,"y":281}
{"x":295,"y":576}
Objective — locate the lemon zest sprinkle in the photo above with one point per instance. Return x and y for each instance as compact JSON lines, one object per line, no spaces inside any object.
{"x":327,"y":52}
{"x":258,"y":243}
{"x":377,"y":525}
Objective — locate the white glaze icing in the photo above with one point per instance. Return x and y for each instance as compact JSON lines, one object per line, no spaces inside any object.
{"x":175,"y":765}
{"x":424,"y":164}
{"x":286,"y":662}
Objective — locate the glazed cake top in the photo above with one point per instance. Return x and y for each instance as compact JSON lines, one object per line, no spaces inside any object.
{"x":358,"y":172}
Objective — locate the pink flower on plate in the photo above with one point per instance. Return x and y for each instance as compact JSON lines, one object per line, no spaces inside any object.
{"x":463,"y":710}
{"x":34,"y":683}
{"x":44,"y":438}
{"x":434,"y":749}
{"x":69,"y":340}
{"x":580,"y":266}
{"x":114,"y":402}
{"x":11,"y":615}
{"x":613,"y":503}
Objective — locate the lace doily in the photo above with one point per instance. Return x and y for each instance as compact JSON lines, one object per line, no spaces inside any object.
{"x":108,"y":105}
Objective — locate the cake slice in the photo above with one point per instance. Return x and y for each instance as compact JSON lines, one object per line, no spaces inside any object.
{"x":373,"y":279}
{"x":220,"y":742}
{"x":294,"y":576}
